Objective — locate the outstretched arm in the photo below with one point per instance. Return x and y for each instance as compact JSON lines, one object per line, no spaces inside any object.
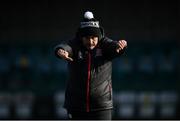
{"x":112,"y":48}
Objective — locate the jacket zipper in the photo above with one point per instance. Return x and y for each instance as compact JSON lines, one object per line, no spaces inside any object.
{"x":88,"y":86}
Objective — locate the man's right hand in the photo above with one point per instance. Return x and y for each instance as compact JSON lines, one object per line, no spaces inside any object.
{"x":64,"y":55}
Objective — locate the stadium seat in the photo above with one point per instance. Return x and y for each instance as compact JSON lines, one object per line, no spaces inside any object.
{"x":59,"y":101}
{"x":147,"y":105}
{"x":168,"y":104}
{"x":5,"y":105}
{"x":126,"y":104}
{"x":23,"y":103}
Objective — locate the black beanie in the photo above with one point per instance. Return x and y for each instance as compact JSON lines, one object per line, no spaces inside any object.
{"x":89,"y":26}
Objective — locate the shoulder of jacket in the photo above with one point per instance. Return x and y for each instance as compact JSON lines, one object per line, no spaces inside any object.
{"x":107,"y":39}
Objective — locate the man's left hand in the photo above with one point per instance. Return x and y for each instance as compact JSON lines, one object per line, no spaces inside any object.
{"x":122,"y":44}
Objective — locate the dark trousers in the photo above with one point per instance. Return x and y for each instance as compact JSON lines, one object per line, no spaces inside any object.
{"x":93,"y":115}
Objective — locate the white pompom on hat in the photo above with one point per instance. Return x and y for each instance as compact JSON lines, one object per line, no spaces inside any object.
{"x":88,"y":15}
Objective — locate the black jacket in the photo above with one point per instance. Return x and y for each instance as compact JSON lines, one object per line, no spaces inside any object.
{"x":89,"y":85}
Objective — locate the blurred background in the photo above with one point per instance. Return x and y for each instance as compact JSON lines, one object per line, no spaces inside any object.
{"x":146,"y":79}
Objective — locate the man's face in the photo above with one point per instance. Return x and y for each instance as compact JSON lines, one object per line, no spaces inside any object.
{"x":90,"y":42}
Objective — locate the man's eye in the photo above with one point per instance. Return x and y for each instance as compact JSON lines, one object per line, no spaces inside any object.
{"x":94,"y":37}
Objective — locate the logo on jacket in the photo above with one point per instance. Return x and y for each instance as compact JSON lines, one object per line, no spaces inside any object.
{"x":80,"y":55}
{"x":98,"y":52}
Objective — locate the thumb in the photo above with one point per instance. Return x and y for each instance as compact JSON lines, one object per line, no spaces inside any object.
{"x":69,"y":59}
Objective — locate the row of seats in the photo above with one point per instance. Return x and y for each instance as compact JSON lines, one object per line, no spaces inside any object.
{"x":127,"y":105}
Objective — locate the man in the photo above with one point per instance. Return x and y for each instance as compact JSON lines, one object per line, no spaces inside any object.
{"x":89,"y":55}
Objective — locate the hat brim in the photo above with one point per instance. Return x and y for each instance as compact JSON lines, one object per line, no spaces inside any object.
{"x":90,"y":31}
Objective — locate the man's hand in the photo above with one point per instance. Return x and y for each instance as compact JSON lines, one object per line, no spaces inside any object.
{"x":122,"y":44}
{"x":64,"y":55}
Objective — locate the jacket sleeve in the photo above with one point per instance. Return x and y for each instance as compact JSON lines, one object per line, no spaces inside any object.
{"x":65,"y":45}
{"x":109,"y":48}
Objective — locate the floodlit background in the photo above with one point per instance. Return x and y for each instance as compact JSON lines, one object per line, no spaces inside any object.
{"x":145,"y":79}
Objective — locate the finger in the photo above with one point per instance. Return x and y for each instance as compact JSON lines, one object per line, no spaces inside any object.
{"x":117,"y":50}
{"x":63,"y":56}
{"x":61,"y":50}
{"x":120,"y":45}
{"x":69,"y":58}
{"x":60,"y":53}
{"x":125,"y":43}
{"x":121,"y":42}
{"x":65,"y":52}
